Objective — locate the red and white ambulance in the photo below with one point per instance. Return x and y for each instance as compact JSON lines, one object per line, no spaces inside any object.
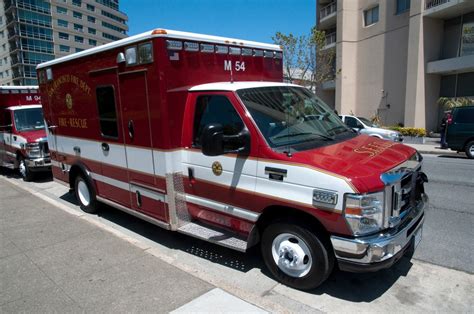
{"x":23,"y":141}
{"x":198,"y":134}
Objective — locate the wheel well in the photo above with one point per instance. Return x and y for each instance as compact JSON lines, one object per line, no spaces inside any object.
{"x":286,"y":214}
{"x":376,"y":135}
{"x":73,"y":173}
{"x":466,"y":142}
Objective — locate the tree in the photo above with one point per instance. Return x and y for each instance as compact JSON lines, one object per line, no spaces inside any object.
{"x":305,"y":59}
{"x":295,"y":55}
{"x":323,"y":60}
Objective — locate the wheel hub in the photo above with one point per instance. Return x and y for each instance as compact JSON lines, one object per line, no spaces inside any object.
{"x":83,"y":193}
{"x":22,"y":168}
{"x":292,"y":255}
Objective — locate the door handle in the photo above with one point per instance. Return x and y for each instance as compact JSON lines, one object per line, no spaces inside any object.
{"x":105,"y":147}
{"x":191,"y":178}
{"x":131,"y":129}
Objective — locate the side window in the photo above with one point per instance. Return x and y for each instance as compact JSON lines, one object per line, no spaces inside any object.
{"x":5,"y":118}
{"x":351,"y":122}
{"x":107,"y":111}
{"x":215,"y":109}
{"x":465,"y":116}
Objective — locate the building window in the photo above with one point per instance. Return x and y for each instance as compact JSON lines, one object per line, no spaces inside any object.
{"x":64,"y":48}
{"x":77,"y":15}
{"x":92,"y":42}
{"x":62,"y":23}
{"x":403,"y":6}
{"x":113,"y":27}
{"x":79,"y":49}
{"x":107,"y":111}
{"x":90,"y":19}
{"x":79,"y":39}
{"x":4,"y":46}
{"x":63,"y":36}
{"x":78,"y":27}
{"x":467,"y":35}
{"x":111,"y":37}
{"x":61,"y":10}
{"x":90,"y":7}
{"x":113,"y":17}
{"x":77,"y":2}
{"x":92,"y":31}
{"x":371,"y":16}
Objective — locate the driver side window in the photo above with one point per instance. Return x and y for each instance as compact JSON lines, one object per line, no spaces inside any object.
{"x":353,"y":123}
{"x":215,"y":109}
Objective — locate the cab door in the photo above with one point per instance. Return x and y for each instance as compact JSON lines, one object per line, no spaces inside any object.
{"x":219,"y":189}
{"x":145,"y":197}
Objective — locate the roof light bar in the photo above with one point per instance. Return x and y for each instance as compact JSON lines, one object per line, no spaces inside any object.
{"x":267,"y":54}
{"x":257,"y":53}
{"x":222,"y":49}
{"x":208,"y":48}
{"x":159,"y":32}
{"x":234,"y":51}
{"x":174,"y":45}
{"x":190,"y":46}
{"x":247,"y":52}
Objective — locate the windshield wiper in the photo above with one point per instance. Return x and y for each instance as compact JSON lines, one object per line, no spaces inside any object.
{"x":337,"y":128}
{"x":303,"y":133}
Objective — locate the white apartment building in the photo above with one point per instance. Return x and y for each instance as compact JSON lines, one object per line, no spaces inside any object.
{"x":396,"y":58}
{"x":34,"y":31}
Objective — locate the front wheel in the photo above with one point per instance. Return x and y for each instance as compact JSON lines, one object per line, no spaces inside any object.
{"x":25,"y":172}
{"x":85,"y":195}
{"x":470,"y":150}
{"x":296,"y":256}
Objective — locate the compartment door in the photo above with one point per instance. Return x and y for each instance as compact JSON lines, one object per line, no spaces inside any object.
{"x":138,"y":144}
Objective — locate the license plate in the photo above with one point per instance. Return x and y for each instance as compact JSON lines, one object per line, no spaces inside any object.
{"x":418,"y":236}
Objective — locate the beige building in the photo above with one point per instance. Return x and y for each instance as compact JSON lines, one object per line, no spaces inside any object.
{"x":396,"y":58}
{"x":34,"y":31}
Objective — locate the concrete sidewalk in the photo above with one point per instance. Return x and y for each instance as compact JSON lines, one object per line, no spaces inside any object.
{"x":90,"y":268}
{"x":433,"y":146}
{"x":52,"y":262}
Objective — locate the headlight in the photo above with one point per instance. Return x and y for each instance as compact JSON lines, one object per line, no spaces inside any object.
{"x":364,"y":213}
{"x":33,"y":150}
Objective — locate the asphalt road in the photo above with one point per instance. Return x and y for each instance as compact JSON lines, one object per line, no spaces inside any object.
{"x":448,"y":232}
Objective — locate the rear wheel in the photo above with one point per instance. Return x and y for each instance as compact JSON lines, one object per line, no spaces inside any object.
{"x":470,"y":150}
{"x":25,"y":172}
{"x":85,"y":195}
{"x":296,"y":256}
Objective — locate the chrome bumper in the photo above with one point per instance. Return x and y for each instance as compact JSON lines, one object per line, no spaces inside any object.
{"x":381,"y":250}
{"x":37,"y":163}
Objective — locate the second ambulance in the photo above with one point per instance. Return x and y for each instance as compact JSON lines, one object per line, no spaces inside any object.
{"x":198,"y":134}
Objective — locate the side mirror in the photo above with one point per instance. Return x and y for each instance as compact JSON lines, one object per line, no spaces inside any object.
{"x":215,"y":143}
{"x":7,"y":128}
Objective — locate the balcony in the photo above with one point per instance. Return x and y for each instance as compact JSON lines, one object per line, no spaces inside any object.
{"x":452,"y":65}
{"x":330,"y":41}
{"x":328,"y":16}
{"x":446,"y":9}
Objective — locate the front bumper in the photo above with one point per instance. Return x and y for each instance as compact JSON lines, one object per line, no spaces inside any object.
{"x":38,"y":164}
{"x":375,"y":252}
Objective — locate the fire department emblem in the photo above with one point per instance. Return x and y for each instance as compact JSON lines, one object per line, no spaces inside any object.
{"x":69,"y":101}
{"x":217,"y":168}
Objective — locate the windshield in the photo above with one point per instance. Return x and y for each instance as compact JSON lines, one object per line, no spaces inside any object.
{"x":29,"y":119}
{"x":367,"y":122}
{"x":293,"y":117}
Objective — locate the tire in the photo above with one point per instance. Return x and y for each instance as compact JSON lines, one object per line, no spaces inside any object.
{"x":85,"y":195}
{"x":470,"y":150}
{"x":24,"y":171}
{"x":314,"y":259}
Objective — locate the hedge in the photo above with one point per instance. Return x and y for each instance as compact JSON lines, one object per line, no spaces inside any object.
{"x":416,"y":132}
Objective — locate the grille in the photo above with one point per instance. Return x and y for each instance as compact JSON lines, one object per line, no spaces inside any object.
{"x":44,"y":148}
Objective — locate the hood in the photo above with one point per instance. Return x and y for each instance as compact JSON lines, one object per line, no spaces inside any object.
{"x":33,"y":135}
{"x":361,"y":160}
{"x":380,"y":130}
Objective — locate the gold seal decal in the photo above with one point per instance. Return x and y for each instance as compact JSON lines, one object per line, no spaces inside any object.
{"x":374,"y":148}
{"x":69,"y":101}
{"x":217,"y":168}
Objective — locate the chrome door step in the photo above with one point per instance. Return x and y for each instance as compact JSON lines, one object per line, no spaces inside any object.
{"x":220,"y":237}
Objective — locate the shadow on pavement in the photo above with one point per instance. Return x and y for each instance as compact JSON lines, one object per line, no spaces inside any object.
{"x":39,"y":177}
{"x":353,"y":287}
{"x":460,"y":156}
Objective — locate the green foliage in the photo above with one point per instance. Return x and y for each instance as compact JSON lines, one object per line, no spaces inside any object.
{"x":450,"y":103}
{"x":295,"y":54}
{"x":416,"y":132}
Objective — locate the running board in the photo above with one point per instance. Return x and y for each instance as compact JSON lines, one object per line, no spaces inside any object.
{"x":220,"y":237}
